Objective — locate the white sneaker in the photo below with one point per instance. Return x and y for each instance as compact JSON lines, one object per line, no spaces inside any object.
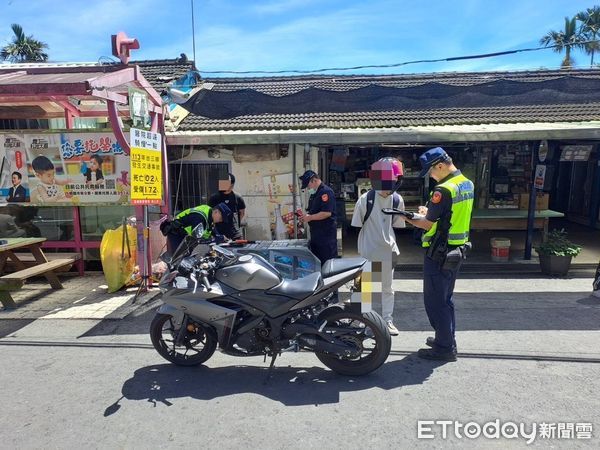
{"x":392,"y":329}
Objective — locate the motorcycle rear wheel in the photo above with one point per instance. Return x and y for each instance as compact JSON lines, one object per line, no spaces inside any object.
{"x":199,"y":345}
{"x":374,"y":330}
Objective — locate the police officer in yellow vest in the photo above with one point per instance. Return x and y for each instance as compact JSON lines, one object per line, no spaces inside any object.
{"x":446,"y":220}
{"x":185,"y":222}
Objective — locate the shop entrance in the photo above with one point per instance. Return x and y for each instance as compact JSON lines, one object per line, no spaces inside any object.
{"x":577,"y":186}
{"x":192,"y":183}
{"x":346,"y":171}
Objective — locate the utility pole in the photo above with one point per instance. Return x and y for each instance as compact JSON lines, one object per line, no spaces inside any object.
{"x":193,"y":33}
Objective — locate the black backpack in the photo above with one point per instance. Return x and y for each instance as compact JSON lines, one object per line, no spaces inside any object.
{"x":371,"y":202}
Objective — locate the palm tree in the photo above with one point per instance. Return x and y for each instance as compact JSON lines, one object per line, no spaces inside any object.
{"x":23,"y":48}
{"x":565,"y":40}
{"x":590,"y":29}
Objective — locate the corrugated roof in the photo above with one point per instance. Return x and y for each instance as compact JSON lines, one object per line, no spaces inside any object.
{"x":394,"y":119}
{"x":20,"y":77}
{"x":280,"y":86}
{"x":158,"y":72}
{"x":342,"y":102}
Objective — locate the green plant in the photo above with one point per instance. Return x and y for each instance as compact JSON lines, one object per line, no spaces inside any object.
{"x":557,"y":244}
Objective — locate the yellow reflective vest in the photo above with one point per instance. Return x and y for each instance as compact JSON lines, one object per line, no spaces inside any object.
{"x":205,"y":212}
{"x":462,"y":191}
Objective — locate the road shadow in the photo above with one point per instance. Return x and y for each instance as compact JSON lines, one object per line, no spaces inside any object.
{"x":589,"y":301}
{"x":137,"y":323}
{"x":291,"y":386}
{"x":8,"y":327}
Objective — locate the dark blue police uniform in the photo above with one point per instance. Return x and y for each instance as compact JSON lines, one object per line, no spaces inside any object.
{"x":323,"y":233}
{"x":438,"y":284}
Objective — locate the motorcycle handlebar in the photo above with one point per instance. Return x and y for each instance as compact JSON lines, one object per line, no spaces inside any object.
{"x":204,"y":279}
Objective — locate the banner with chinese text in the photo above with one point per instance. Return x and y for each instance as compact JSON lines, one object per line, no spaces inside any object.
{"x":63,"y":169}
{"x":146,"y":167}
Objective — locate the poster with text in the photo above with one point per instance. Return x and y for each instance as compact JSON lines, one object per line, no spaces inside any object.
{"x":14,"y":182}
{"x":77,"y":169}
{"x":146,"y":167}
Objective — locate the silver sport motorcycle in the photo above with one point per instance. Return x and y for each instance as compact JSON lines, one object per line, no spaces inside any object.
{"x":240,"y":302}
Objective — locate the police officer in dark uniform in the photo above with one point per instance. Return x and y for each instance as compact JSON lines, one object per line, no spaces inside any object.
{"x":320,"y":217}
{"x":446,"y":220}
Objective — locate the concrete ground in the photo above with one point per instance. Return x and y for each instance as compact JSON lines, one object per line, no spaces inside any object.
{"x":84,"y":297}
{"x":529,"y":352}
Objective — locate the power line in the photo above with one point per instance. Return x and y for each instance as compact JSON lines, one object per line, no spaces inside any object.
{"x":406,"y":63}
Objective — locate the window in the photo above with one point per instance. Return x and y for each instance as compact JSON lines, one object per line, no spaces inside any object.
{"x":192,"y":183}
{"x":95,"y":220}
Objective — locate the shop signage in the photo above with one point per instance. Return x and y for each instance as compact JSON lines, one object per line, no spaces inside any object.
{"x":63,"y":169}
{"x":146,"y":167}
{"x":540,"y":176}
{"x":575,"y":152}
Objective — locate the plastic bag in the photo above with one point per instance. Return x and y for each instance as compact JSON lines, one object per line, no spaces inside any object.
{"x":117,"y":253}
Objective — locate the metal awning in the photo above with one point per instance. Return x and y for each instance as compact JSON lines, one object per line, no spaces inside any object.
{"x":82,"y":91}
{"x":446,"y":133}
{"x":40,"y":91}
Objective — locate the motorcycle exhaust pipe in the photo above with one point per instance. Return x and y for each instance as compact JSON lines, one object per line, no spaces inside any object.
{"x":295,"y":329}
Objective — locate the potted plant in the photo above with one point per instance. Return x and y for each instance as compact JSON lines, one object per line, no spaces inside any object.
{"x":556,"y":253}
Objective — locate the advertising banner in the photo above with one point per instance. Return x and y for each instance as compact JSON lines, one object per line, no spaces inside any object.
{"x":540,"y":176}
{"x":14,"y":180}
{"x":146,"y":167}
{"x":64,"y":169}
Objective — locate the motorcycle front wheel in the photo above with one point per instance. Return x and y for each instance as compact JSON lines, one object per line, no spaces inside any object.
{"x":370,"y":337}
{"x":199,"y":343}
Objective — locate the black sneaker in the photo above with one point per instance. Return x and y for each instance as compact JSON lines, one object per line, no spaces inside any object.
{"x":430,"y":353}
{"x":430,"y":341}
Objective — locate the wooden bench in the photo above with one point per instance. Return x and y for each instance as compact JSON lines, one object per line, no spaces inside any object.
{"x":29,"y":260}
{"x":15,"y":281}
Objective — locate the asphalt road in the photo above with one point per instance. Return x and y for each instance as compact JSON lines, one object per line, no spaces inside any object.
{"x":529,"y":355}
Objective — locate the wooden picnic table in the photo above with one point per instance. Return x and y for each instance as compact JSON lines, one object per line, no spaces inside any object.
{"x":42,"y":266}
{"x":32,"y":244}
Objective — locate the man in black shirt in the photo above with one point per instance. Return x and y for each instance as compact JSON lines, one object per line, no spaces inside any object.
{"x":235,"y":203}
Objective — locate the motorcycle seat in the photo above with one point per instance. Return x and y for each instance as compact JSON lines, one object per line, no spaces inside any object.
{"x":339,"y":265}
{"x":300,"y":288}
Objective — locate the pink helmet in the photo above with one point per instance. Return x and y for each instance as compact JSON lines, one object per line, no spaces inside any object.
{"x":388,"y":164}
{"x":385,"y":173}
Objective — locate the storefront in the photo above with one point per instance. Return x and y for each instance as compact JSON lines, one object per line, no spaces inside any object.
{"x":266,"y":178}
{"x":493,"y":125}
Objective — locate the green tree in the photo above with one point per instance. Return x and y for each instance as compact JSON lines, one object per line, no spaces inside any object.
{"x":590,"y":30}
{"x":566,"y":40}
{"x":23,"y":48}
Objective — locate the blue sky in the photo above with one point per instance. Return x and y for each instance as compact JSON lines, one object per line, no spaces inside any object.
{"x":301,"y":34}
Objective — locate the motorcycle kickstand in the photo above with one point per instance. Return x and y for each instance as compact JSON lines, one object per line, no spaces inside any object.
{"x":271,"y":366}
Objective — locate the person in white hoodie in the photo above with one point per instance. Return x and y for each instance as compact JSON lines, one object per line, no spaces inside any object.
{"x":376,"y":240}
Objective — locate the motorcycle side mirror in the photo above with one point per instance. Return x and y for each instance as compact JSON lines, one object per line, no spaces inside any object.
{"x":198,"y":231}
